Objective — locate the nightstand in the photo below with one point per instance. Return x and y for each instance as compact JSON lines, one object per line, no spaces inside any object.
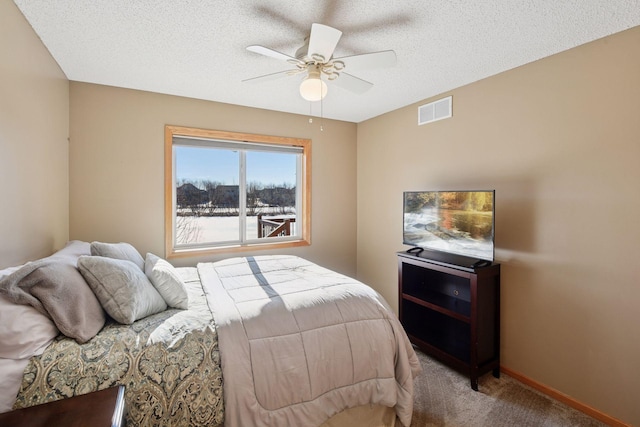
{"x":100,"y":408}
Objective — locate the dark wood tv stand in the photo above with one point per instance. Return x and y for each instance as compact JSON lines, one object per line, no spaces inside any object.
{"x":452,"y":313}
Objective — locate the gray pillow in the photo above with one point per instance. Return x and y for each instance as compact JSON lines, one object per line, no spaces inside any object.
{"x":55,"y":288}
{"x":121,"y":287}
{"x":165,"y":279}
{"x":118,"y":251}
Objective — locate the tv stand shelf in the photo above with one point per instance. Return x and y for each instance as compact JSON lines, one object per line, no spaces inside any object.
{"x":452,"y":313}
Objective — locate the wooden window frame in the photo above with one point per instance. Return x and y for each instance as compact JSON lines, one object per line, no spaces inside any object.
{"x":169,"y":189}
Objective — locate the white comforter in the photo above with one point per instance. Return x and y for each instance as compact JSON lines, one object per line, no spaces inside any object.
{"x":300,"y":343}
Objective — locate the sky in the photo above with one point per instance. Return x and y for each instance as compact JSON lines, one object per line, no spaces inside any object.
{"x":207,"y":164}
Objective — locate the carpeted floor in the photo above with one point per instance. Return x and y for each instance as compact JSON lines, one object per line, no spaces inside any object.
{"x":444,"y":398}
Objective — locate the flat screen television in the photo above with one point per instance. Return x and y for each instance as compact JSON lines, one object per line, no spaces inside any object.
{"x":457,"y":223}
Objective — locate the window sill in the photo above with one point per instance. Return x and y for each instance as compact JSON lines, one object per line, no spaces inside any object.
{"x":195,"y":252}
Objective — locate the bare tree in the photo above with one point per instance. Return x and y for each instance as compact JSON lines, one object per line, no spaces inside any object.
{"x":187,"y":229}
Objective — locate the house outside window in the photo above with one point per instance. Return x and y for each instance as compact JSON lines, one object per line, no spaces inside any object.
{"x":227,"y":191}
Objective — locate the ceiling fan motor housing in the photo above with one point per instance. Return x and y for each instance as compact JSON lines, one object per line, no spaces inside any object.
{"x":302,"y":52}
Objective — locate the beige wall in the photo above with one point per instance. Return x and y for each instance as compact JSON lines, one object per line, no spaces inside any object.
{"x":117,"y":168}
{"x":559,"y":141}
{"x":34,"y":126}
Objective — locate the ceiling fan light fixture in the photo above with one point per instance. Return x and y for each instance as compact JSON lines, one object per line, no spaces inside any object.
{"x":313,"y":88}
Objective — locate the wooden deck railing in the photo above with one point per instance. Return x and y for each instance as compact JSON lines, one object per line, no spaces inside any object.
{"x":274,"y":226}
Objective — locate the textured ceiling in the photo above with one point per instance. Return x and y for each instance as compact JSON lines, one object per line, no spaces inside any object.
{"x":197,"y":48}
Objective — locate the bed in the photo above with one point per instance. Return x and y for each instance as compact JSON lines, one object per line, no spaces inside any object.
{"x":265,"y":340}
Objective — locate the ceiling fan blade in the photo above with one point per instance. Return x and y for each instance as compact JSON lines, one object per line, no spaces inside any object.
{"x":269,"y":77}
{"x":272,"y":53}
{"x":368,"y":61}
{"x":323,"y":40}
{"x":352,"y":83}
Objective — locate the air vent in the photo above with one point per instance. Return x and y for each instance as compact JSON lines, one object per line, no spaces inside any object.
{"x":434,"y":111}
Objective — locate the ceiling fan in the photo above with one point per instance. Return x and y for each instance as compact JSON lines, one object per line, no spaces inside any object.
{"x":315,"y":58}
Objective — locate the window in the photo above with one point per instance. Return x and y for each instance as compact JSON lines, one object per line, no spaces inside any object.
{"x":227,"y":191}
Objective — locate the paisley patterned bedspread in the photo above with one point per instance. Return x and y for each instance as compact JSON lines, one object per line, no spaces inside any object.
{"x":169,"y":363}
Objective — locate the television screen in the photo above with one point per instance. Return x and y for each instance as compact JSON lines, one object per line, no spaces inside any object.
{"x":454,"y":222}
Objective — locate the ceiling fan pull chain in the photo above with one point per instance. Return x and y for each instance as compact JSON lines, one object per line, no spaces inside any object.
{"x":321,"y":115}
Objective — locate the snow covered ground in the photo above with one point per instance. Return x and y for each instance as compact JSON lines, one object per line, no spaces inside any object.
{"x":222,"y":228}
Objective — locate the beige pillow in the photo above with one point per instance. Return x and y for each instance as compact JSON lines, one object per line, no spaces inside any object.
{"x":164,"y":278}
{"x":118,"y":251}
{"x":121,"y":287}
